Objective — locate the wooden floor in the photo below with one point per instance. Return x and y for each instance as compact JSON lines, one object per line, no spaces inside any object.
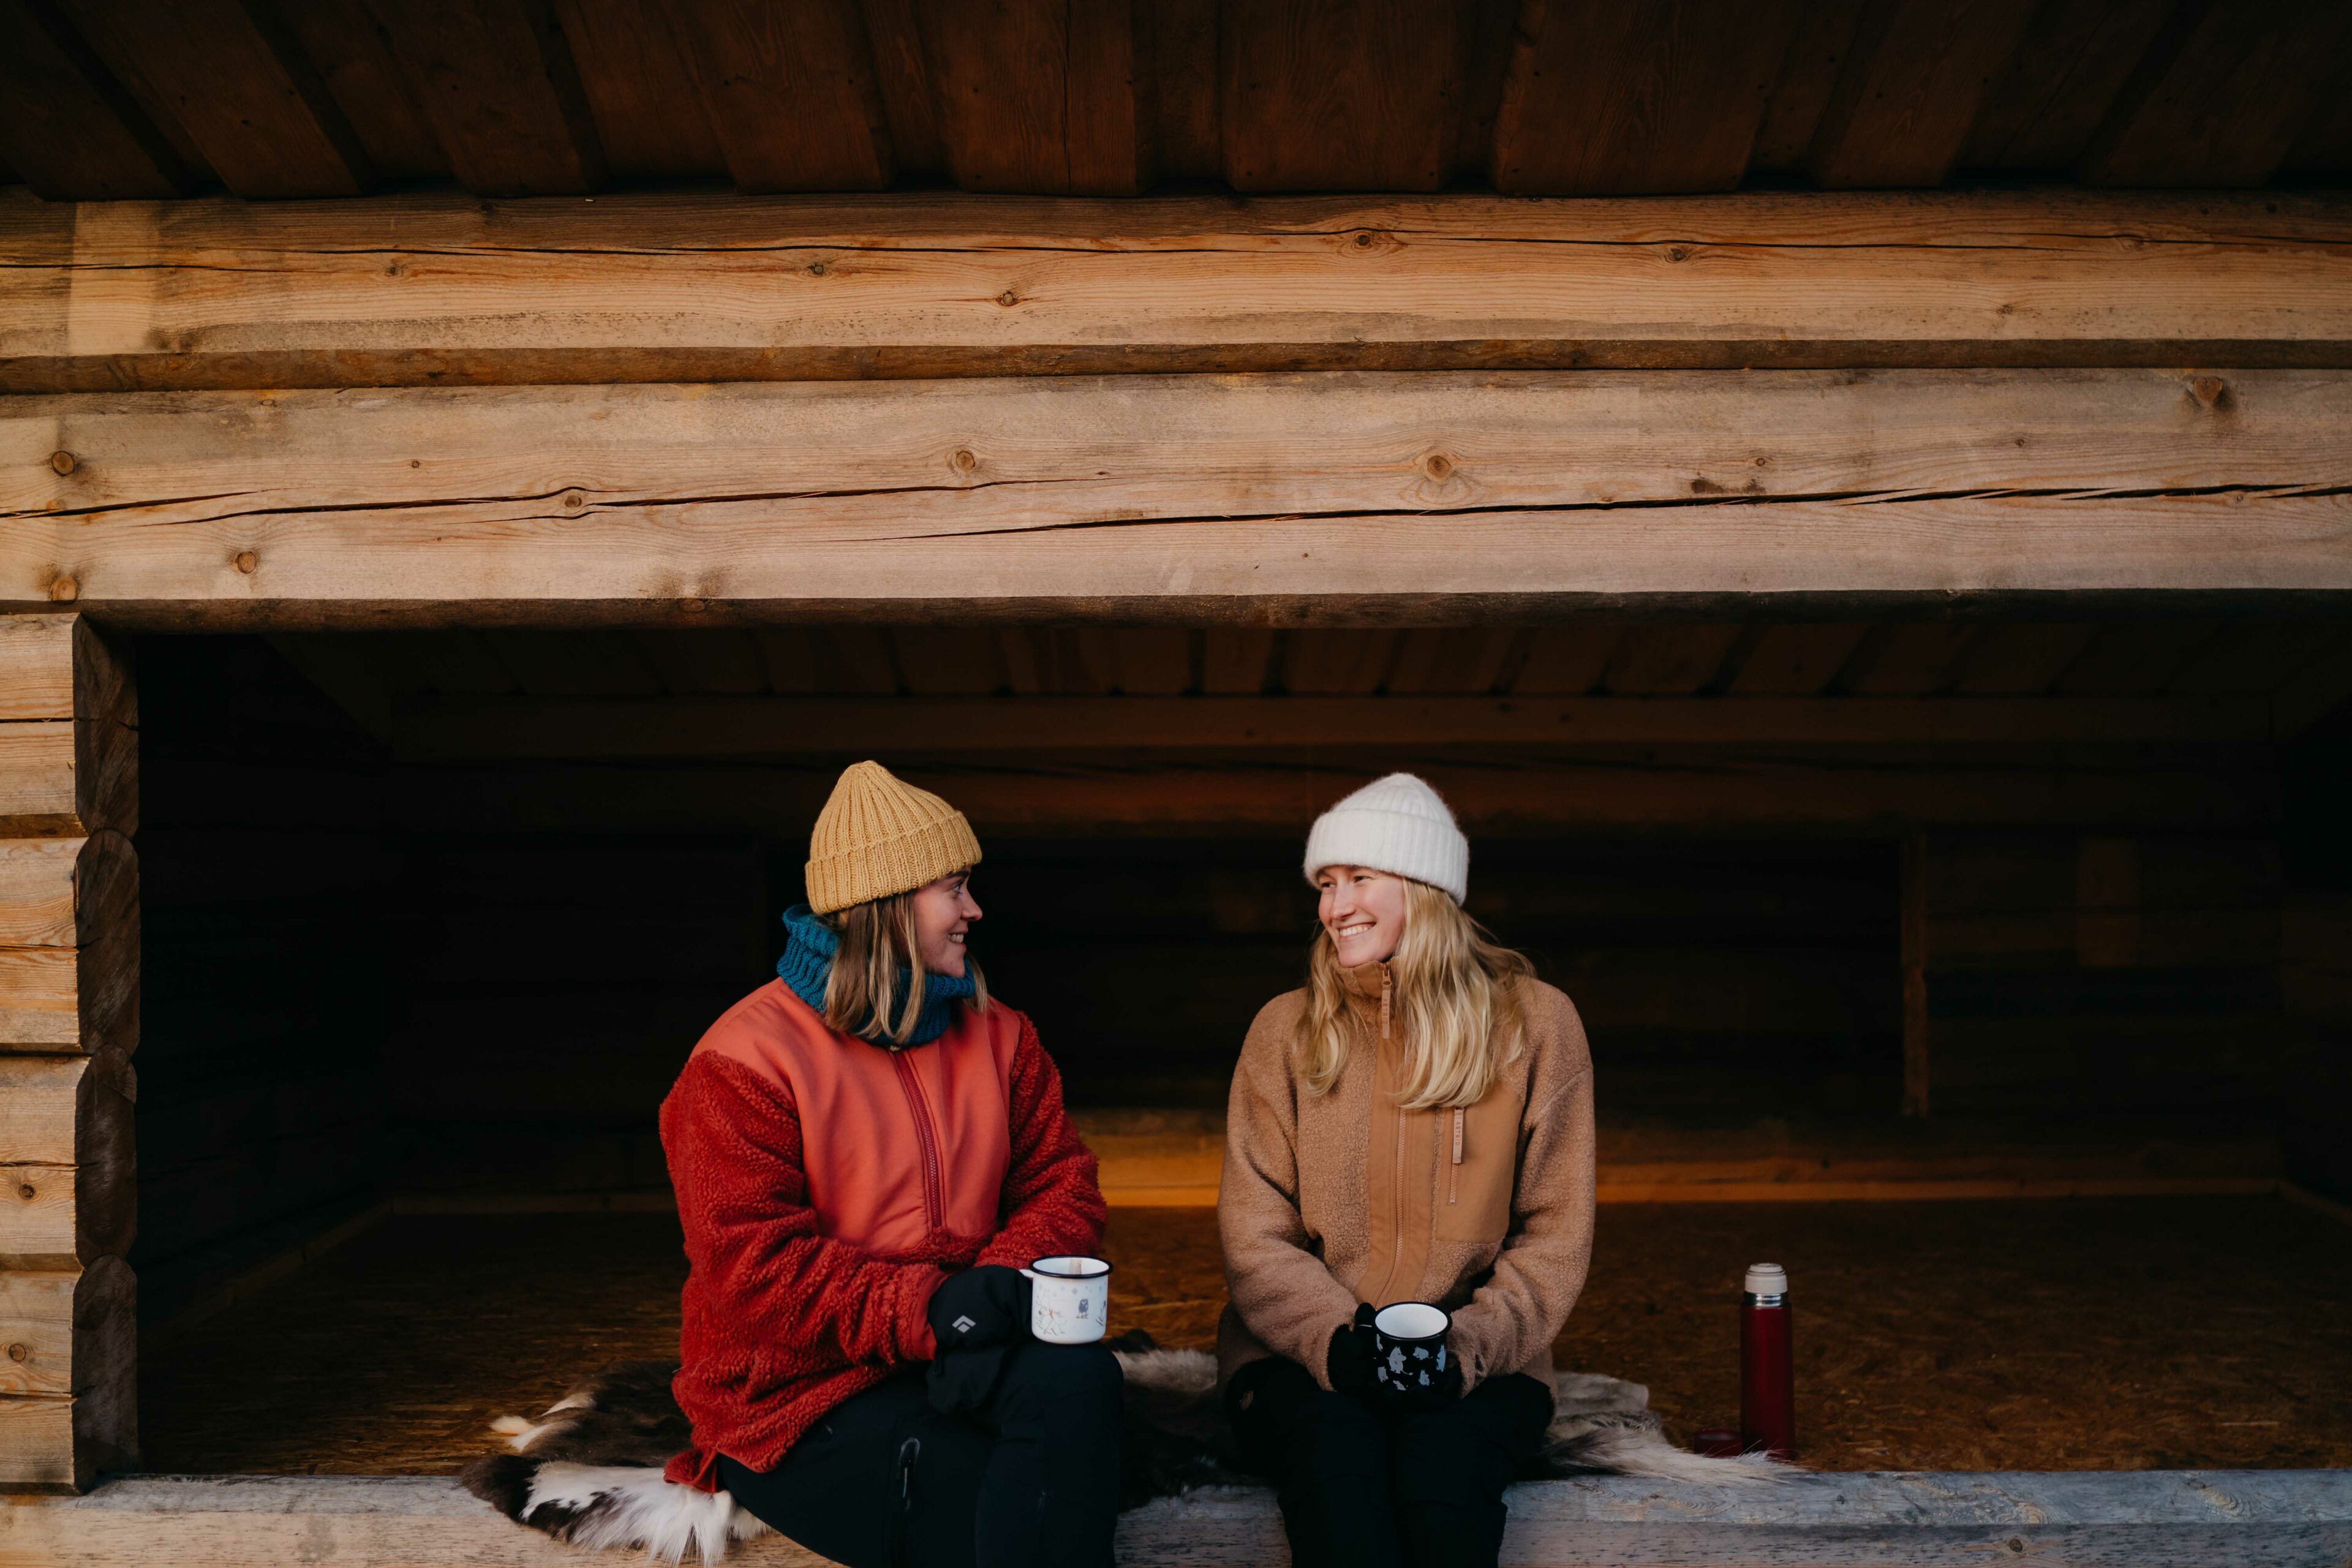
{"x":2047,"y":1335}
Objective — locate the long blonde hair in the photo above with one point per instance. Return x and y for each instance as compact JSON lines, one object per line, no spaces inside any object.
{"x":878,"y":954}
{"x":1457,"y":1005}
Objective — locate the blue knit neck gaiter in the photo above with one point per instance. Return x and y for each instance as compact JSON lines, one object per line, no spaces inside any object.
{"x":809,"y":948}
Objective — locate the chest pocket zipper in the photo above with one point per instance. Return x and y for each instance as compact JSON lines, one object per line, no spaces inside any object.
{"x":1454,"y":1171}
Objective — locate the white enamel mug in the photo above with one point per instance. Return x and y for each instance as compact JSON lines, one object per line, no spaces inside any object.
{"x":1069,"y":1299}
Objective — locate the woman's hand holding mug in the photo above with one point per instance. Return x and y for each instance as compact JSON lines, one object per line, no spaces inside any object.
{"x":1413,"y":1363}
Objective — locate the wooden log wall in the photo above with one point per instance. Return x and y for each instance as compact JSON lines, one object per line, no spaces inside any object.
{"x":2105,"y":974}
{"x":69,"y":1021}
{"x":267,"y":879}
{"x":2316,"y":957}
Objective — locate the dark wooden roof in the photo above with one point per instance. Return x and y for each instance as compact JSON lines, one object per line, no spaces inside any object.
{"x":103,"y":99}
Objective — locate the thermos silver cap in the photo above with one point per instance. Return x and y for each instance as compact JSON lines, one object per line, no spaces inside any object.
{"x":1767,"y":1280}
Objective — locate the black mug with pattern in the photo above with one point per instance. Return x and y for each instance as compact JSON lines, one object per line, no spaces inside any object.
{"x":1408,"y":1351}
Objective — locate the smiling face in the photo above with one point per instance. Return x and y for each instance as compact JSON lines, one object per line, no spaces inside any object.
{"x":1363,"y":910}
{"x":944,"y":911}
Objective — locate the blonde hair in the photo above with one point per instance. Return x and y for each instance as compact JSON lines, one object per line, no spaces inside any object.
{"x":1457,"y":1005}
{"x":877,"y":954}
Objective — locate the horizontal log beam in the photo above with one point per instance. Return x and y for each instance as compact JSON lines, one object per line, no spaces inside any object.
{"x":435,"y":289}
{"x":687,"y":727}
{"x":1504,"y":797}
{"x":1428,"y":496}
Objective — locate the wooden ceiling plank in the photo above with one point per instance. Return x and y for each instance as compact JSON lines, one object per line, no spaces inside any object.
{"x":1341,"y":95}
{"x":1339,"y":661}
{"x":791,"y":90}
{"x":452,"y":663}
{"x":496,"y":81}
{"x":1669,"y":661}
{"x":1567,"y":661}
{"x":948,"y":661}
{"x":1084,"y":663}
{"x":2136,"y":659}
{"x":1183,"y":52}
{"x":1236,"y":660}
{"x":2221,"y":96}
{"x":344,"y":45}
{"x":575,"y":664}
{"x":1040,"y":96}
{"x":721,"y":659}
{"x":687,"y":727}
{"x":2020,"y":660}
{"x":895,"y":40}
{"x":1910,"y":90}
{"x":1796,"y":659}
{"x":2066,"y":72}
{"x":1607,"y":98}
{"x":647,"y":106}
{"x":2254,"y":657}
{"x":239,"y":83}
{"x":70,"y":128}
{"x":1154,"y":661}
{"x":1490,"y":37}
{"x":789,"y":656}
{"x":1467,"y":660}
{"x":1809,"y":75}
{"x":1913,"y":659}
{"x":856,"y":661}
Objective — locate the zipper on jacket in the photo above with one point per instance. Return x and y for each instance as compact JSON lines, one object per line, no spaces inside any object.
{"x":909,"y":1451}
{"x":1454,"y":1171}
{"x":935,"y":1200}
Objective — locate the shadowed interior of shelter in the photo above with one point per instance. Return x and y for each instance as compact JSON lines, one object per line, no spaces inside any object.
{"x":434,"y":917}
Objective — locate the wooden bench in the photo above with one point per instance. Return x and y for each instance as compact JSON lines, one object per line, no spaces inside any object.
{"x":2148,"y":1518}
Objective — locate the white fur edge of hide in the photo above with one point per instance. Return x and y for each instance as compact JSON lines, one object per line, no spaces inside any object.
{"x":630,"y":1505}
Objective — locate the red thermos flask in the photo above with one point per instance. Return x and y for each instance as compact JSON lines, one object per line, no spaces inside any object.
{"x":1768,"y":1382}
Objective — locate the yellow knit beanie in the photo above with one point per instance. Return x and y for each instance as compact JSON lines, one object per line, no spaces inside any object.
{"x":879,"y":835}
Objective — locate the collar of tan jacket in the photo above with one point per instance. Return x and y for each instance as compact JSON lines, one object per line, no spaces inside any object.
{"x":1371,"y":991}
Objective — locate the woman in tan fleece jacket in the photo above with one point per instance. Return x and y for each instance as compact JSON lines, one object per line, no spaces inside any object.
{"x":1415,"y":1125}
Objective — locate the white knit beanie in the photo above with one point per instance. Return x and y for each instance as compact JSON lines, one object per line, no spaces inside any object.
{"x":1399,"y":826}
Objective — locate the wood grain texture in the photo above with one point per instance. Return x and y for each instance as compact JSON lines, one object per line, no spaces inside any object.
{"x":792,"y":92}
{"x":2071,"y":62}
{"x":1427,"y":495}
{"x":70,"y":130}
{"x":496,"y":79}
{"x":647,"y":106}
{"x":1043,"y":96}
{"x":37,"y":1206}
{"x":1327,"y":95}
{"x":343,"y":43}
{"x":1846,"y":1520}
{"x":1910,"y":89}
{"x":683,"y":288}
{"x":1606,"y":98}
{"x":2221,"y":94}
{"x":36,"y":666}
{"x":237,"y":81}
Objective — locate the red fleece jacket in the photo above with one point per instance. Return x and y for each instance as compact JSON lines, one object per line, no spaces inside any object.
{"x":826,"y":1185}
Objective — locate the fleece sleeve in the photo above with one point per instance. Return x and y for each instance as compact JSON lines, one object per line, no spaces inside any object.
{"x":733,"y":1142}
{"x":1524,"y":1304}
{"x":1282,"y":1289}
{"x":1051,"y":1201}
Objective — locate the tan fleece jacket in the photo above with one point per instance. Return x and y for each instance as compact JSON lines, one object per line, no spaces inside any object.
{"x":1333,"y":1199}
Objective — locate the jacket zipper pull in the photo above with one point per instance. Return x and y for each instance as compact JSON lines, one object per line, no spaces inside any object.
{"x":1453,"y":1174}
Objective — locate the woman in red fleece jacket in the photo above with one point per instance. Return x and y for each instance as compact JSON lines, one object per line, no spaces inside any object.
{"x":866,"y":1150}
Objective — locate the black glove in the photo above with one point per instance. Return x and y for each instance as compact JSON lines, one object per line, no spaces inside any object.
{"x":1350,"y":1362}
{"x":979,"y":1308}
{"x":961,"y":1381}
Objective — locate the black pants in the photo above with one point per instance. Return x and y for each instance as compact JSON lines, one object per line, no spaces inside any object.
{"x":1364,"y":1489}
{"x":885,"y":1481}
